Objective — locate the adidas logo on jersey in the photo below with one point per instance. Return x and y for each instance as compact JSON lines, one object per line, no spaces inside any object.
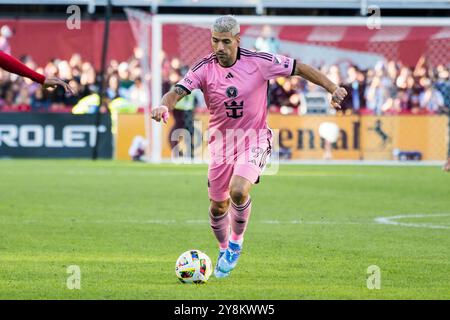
{"x":229,"y":76}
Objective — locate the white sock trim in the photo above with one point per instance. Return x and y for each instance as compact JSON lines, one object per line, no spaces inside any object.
{"x":238,"y":242}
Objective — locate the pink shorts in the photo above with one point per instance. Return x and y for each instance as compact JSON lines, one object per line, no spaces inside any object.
{"x":249,"y":165}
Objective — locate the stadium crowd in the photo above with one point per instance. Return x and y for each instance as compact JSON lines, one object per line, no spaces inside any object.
{"x":387,"y":88}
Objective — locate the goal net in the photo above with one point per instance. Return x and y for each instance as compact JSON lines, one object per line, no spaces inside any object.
{"x":396,"y":74}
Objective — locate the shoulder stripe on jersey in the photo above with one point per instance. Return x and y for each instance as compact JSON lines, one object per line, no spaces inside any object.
{"x":212,"y":55}
{"x":197,"y":63}
{"x":262,"y":54}
{"x":202,"y":63}
{"x":256,"y":56}
{"x":266,"y":54}
{"x":250,"y":51}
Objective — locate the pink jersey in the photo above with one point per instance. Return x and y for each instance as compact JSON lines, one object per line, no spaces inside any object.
{"x":236,"y":96}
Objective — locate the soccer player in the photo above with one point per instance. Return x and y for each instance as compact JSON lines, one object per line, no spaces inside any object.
{"x":11,"y":64}
{"x":234,"y":82}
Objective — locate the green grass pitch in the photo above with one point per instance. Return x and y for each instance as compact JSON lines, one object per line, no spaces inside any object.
{"x":312,"y":234}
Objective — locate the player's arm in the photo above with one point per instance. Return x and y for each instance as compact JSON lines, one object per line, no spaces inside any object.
{"x":315,"y":76}
{"x":11,"y":64}
{"x":168,"y":102}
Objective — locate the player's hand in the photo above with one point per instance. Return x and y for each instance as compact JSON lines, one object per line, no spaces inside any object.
{"x":446,"y":167}
{"x":337,"y":97}
{"x":161,"y":112}
{"x":53,"y":82}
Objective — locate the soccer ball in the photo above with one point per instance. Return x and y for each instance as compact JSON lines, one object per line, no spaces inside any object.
{"x":193,"y":266}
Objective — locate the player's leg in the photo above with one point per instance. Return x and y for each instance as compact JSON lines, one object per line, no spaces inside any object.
{"x":239,"y":211}
{"x":220,"y":224}
{"x":220,"y":221}
{"x":219,"y":176}
{"x":241,"y":205}
{"x":246,"y":172}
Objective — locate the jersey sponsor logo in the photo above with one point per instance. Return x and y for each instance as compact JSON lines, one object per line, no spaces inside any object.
{"x":234,"y":110}
{"x":232,"y":92}
{"x":229,"y":76}
{"x":287,"y":62}
{"x":187,"y":80}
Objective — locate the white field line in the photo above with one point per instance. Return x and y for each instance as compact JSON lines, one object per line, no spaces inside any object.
{"x":379,"y":220}
{"x":384,"y":163}
{"x":199,"y":221}
{"x":393,"y":220}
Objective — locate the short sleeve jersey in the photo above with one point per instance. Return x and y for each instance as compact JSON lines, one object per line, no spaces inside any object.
{"x":236,"y":96}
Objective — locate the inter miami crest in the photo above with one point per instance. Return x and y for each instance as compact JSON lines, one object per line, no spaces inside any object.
{"x":232,"y":92}
{"x":233,"y":108}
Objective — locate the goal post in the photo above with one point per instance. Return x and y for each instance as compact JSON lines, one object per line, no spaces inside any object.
{"x":313,"y":40}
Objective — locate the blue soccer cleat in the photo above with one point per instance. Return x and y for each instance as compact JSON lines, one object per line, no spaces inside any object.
{"x":217,"y":272}
{"x":229,"y":260}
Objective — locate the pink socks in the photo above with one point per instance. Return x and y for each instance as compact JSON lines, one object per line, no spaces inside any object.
{"x":220,"y":225}
{"x":240,"y":215}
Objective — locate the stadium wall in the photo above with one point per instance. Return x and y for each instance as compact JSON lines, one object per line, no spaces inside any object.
{"x":361,"y":137}
{"x":48,"y":39}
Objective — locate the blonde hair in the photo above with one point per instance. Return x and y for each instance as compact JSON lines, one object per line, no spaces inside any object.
{"x":226,"y":23}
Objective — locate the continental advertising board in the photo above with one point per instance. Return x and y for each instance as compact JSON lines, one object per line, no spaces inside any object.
{"x":360,"y":137}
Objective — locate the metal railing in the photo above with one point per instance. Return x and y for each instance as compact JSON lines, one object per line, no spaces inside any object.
{"x":259,"y":5}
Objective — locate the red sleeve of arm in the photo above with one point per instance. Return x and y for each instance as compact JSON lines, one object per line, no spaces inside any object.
{"x":13,"y":65}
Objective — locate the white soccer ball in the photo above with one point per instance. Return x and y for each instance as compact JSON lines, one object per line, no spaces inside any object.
{"x":193,"y":266}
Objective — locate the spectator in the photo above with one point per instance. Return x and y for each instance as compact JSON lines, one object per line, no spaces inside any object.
{"x":267,"y":42}
{"x":283,"y":95}
{"x":138,"y":96}
{"x":39,"y":101}
{"x":355,"y":86}
{"x":387,"y":88}
{"x":431,"y":100}
{"x":376,"y":95}
{"x":112,"y":91}
{"x":443,"y":83}
{"x":5,"y":34}
{"x":400,"y":103}
{"x":124,"y":80}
